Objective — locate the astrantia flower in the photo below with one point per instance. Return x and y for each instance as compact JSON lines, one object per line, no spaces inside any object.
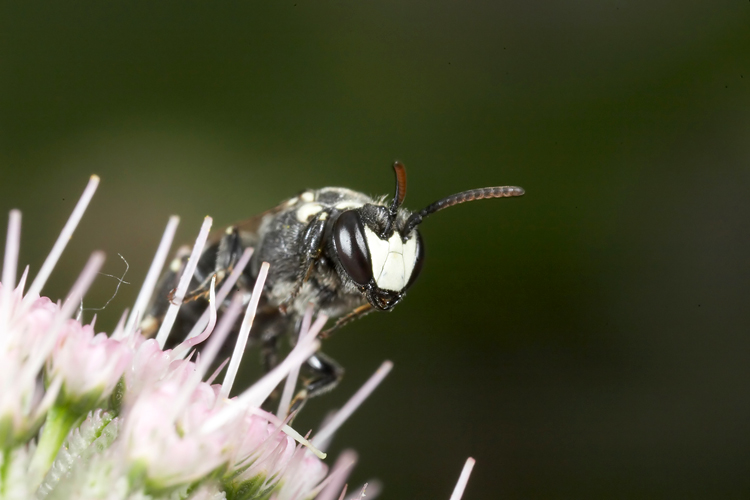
{"x":89,"y":364}
{"x":86,"y":415}
{"x":22,"y":406}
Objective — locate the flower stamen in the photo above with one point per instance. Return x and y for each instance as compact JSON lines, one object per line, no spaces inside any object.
{"x":10,"y":264}
{"x":79,"y":289}
{"x":64,"y":238}
{"x":259,"y":391}
{"x":182,"y":286}
{"x":224,"y":290}
{"x":463,"y":479}
{"x":322,"y":438}
{"x":247,"y":324}
{"x":338,"y":476}
{"x":291,"y":379}
{"x":154,"y":271}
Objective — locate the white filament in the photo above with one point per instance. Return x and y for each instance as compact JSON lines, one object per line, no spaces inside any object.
{"x":463,"y":479}
{"x":259,"y":391}
{"x":302,"y":440}
{"x":154,"y":271}
{"x":291,"y":379}
{"x":210,"y":380}
{"x":12,"y":244}
{"x":195,"y":377}
{"x":373,"y":488}
{"x":323,"y":436}
{"x":10,"y":263}
{"x":187,"y":275}
{"x":77,"y":292}
{"x":338,"y":476}
{"x":219,"y":335}
{"x":64,"y":238}
{"x":224,"y":290}
{"x":247,"y":324}
{"x":120,"y":327}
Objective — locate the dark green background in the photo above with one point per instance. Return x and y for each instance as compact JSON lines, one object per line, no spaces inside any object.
{"x":588,"y":340}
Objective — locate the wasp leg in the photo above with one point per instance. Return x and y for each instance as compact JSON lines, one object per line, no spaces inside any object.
{"x":199,"y":292}
{"x":321,"y":374}
{"x":359,"y":312}
{"x":311,"y":245}
{"x":230,"y":250}
{"x":161,"y":298}
{"x":269,"y":350}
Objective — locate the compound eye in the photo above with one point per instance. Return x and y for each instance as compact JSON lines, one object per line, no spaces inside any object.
{"x":418,"y":261}
{"x":351,"y":247}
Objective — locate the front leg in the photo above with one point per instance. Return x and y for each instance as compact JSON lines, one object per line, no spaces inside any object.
{"x":311,"y":246}
{"x":355,"y":314}
{"x":320,"y":374}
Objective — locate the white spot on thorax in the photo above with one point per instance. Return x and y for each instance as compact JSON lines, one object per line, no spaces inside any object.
{"x":307,"y":211}
{"x":175,"y":265}
{"x":307,"y":196}
{"x":392,"y":260}
{"x":291,"y":202}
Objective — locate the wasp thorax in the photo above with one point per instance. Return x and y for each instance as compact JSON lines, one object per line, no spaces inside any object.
{"x":383,"y":266}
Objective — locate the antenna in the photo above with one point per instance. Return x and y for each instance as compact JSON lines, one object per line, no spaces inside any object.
{"x":463,"y":197}
{"x":398,"y":198}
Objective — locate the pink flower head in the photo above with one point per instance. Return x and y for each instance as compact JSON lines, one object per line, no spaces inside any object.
{"x":302,"y":476}
{"x":150,"y":364}
{"x":265,"y":451}
{"x":89,"y":364}
{"x":174,"y":436}
{"x":24,"y":333}
{"x":173,"y":451}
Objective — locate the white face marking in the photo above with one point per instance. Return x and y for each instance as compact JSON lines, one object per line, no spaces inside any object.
{"x":410,"y":255}
{"x":348,"y":205}
{"x":392,"y":260}
{"x":308,"y":210}
{"x":307,"y":196}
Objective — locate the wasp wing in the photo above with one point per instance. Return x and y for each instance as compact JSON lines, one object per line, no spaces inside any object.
{"x":248,"y":228}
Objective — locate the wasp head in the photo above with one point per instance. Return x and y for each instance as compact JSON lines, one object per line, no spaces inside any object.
{"x":379,"y":247}
{"x":382,"y":264}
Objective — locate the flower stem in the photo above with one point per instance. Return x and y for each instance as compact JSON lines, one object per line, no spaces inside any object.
{"x":4,"y":467}
{"x":60,"y":419}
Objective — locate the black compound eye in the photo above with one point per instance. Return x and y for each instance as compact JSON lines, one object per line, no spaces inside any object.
{"x":351,"y":247}
{"x":417,"y":262}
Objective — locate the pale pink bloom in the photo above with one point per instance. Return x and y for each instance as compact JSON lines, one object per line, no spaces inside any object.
{"x":302,"y":476}
{"x":265,"y":452}
{"x":173,"y":431}
{"x":149,"y":365}
{"x":89,"y":364}
{"x":22,"y":401}
{"x":168,"y":449}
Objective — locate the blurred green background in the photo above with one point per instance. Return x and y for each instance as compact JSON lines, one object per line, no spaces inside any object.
{"x":589,"y":340}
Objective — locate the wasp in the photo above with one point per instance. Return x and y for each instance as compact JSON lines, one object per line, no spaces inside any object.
{"x":343,"y":251}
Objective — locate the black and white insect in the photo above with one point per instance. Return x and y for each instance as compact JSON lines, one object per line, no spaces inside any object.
{"x":343,"y":251}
